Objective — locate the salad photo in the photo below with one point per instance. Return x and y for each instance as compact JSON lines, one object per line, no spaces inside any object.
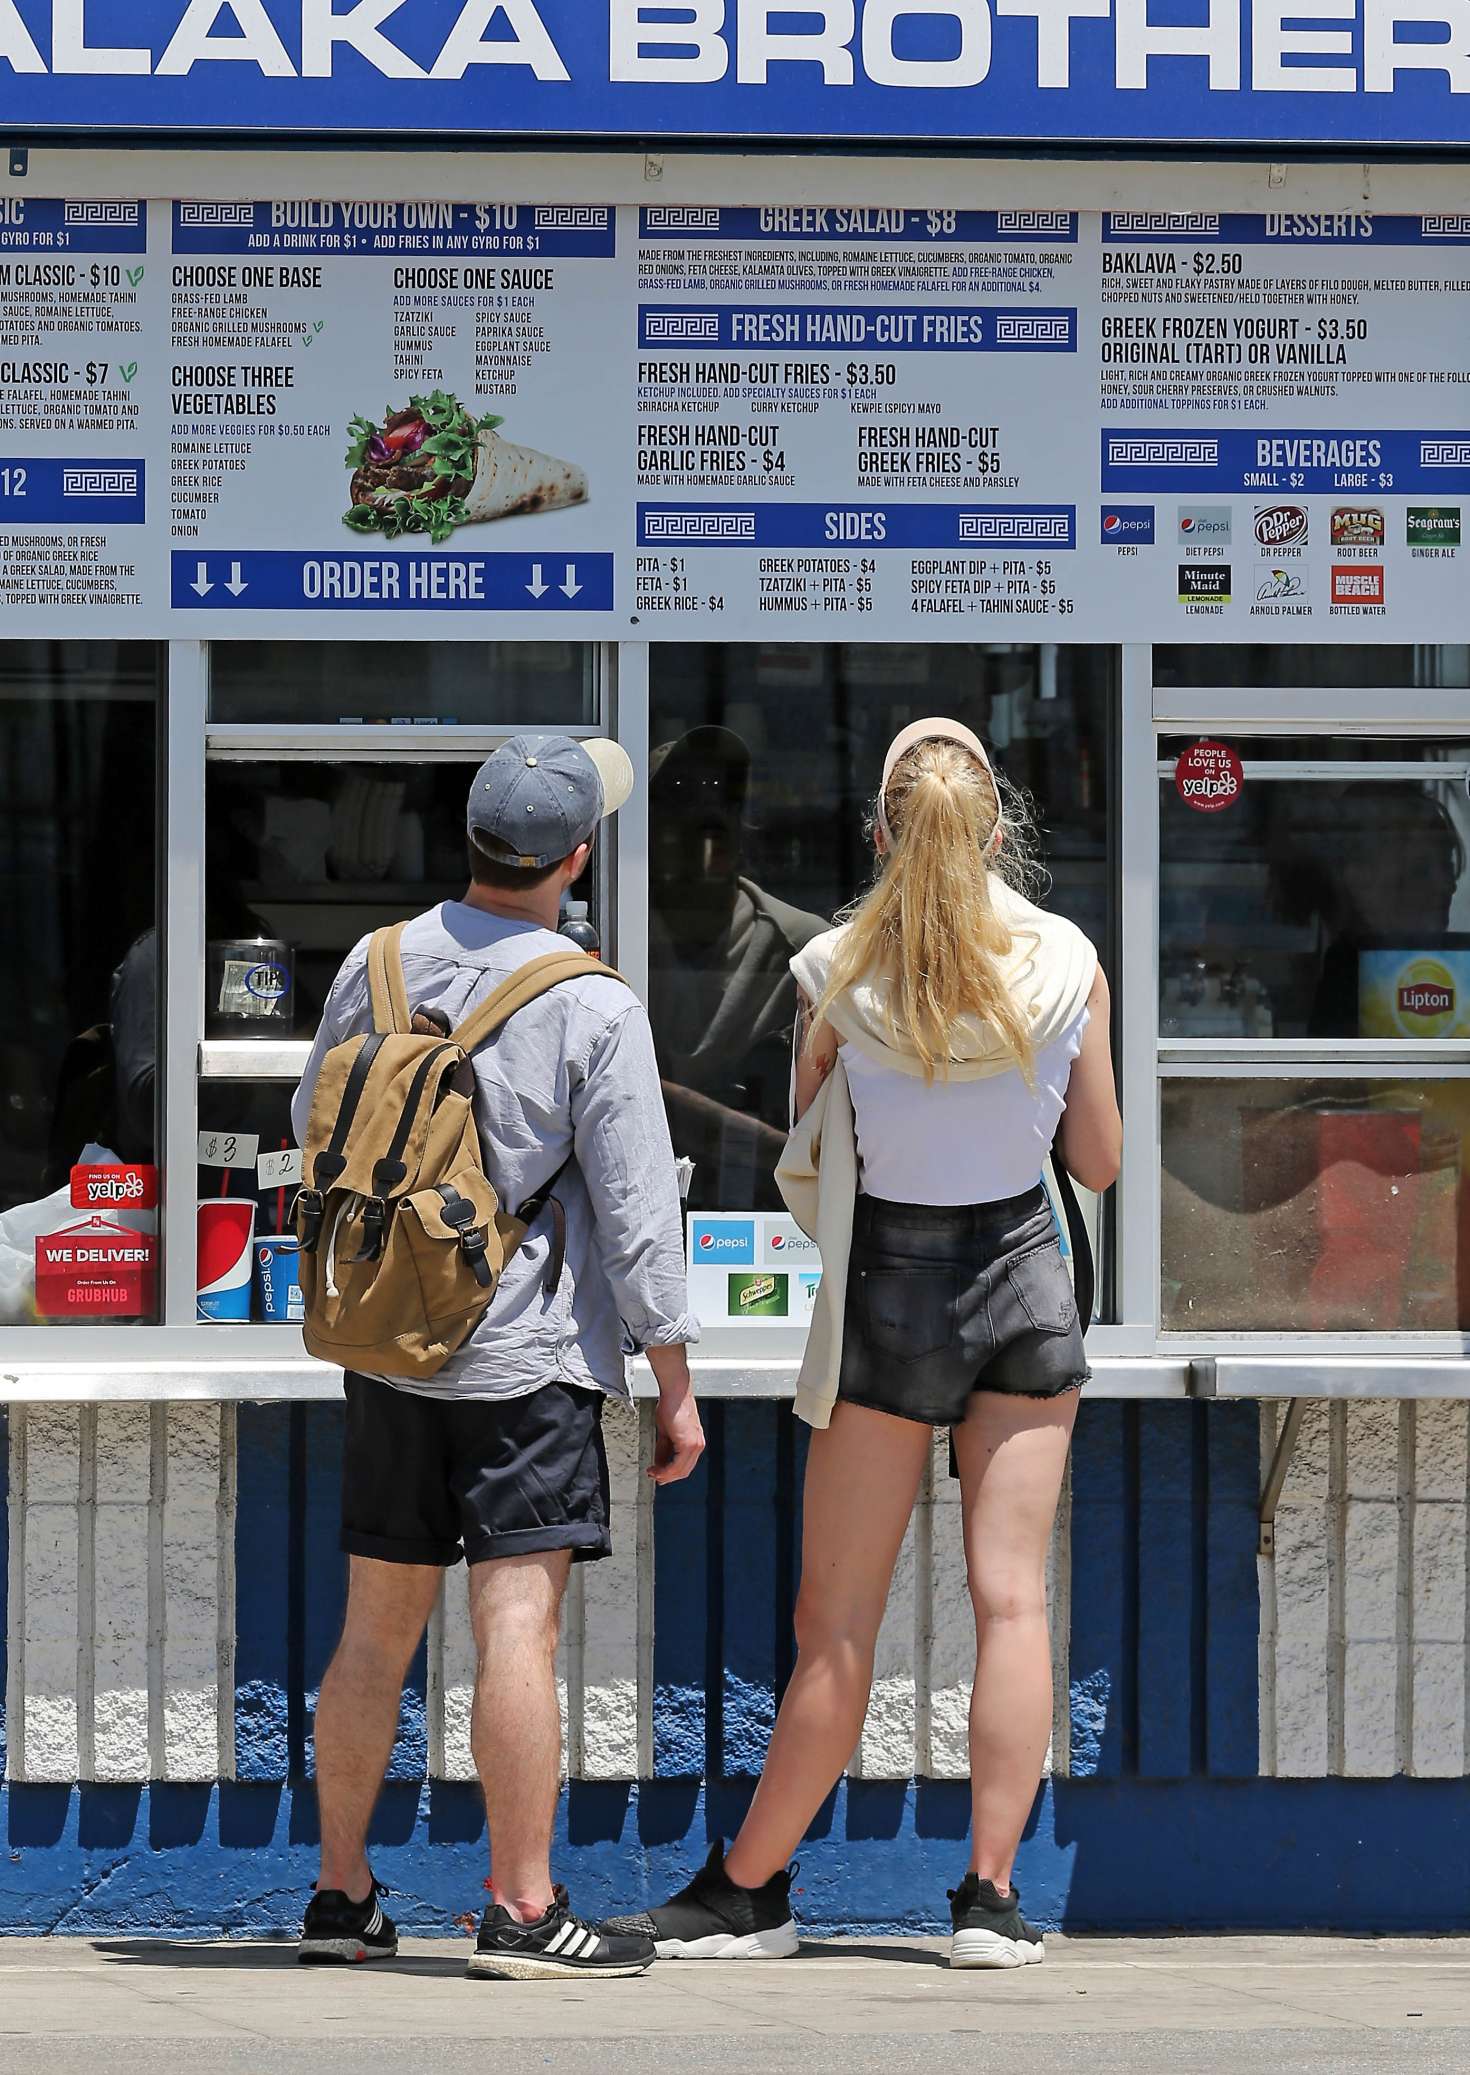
{"x":434,"y":466}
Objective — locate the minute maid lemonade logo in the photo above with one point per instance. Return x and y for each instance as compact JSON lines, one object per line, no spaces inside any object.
{"x":1414,"y":996}
{"x":759,"y":1296}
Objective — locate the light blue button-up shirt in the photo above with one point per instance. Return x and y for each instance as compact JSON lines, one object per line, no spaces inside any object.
{"x":572,"y":1073}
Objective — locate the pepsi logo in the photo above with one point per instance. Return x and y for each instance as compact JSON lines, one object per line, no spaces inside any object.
{"x":706,"y":1242}
{"x":1188,"y":525}
{"x":778,"y":1240}
{"x":1112,"y":523}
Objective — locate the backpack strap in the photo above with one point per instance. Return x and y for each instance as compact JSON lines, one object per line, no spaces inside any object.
{"x":391,"y":1013}
{"x":526,"y":984}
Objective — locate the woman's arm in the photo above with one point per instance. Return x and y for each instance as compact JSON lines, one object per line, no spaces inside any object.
{"x":1091,"y":1131}
{"x":813,"y":1061}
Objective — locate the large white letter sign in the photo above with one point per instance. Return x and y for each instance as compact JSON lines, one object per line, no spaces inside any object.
{"x":194,"y":39}
{"x":1054,"y":19}
{"x":1217,"y":41}
{"x":16,"y":47}
{"x":967,"y":68}
{"x":361,"y":26}
{"x":827,"y":45}
{"x":676,"y":25}
{"x":1272,"y":40}
{"x":70,"y":51}
{"x":1384,"y":55}
{"x":528,"y":45}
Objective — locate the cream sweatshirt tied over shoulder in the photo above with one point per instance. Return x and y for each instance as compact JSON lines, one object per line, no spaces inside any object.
{"x":1049,"y":970}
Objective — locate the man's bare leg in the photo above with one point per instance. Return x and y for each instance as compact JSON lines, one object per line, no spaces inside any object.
{"x":515,"y":1612}
{"x":357,"y":1710}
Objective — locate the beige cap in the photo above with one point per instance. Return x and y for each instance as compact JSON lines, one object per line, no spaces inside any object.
{"x":935,"y":730}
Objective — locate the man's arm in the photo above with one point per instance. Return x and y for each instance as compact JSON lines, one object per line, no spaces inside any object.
{"x":342,"y":1012}
{"x":621,"y":1138}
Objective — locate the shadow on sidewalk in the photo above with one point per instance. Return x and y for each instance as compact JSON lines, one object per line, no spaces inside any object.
{"x":256,"y":1956}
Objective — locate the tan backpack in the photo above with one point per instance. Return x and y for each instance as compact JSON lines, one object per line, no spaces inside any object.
{"x":403,"y":1238}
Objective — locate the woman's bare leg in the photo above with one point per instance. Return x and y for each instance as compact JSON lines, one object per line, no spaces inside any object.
{"x":1012,"y":1454}
{"x":862,"y":1478}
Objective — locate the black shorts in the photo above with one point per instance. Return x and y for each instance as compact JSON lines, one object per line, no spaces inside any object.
{"x":502,"y":1477}
{"x":943,"y":1302}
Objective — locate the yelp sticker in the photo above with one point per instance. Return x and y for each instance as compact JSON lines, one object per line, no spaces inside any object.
{"x":1208,"y":777}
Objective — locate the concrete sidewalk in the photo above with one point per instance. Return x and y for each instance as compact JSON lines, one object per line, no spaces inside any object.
{"x":1100,"y":2006}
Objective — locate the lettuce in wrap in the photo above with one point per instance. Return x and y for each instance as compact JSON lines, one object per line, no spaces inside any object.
{"x":434,"y":466}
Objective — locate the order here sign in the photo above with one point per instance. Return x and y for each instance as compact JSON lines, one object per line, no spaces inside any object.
{"x":96,"y":1269}
{"x":1344,"y":72}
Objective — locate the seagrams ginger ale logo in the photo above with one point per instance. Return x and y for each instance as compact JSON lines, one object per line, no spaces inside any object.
{"x":1426,"y":998}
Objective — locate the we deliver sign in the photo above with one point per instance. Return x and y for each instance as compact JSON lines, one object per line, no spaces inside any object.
{"x":96,"y":1269}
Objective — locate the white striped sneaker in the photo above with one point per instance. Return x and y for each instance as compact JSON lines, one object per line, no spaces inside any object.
{"x":339,"y":1931}
{"x":555,"y":1944}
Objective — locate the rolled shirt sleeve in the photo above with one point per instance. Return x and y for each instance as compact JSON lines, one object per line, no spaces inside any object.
{"x":626,"y":1158}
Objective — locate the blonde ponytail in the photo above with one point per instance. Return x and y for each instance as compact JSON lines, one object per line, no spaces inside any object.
{"x":929,"y":926}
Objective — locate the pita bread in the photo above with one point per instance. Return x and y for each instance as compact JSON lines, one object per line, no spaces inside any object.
{"x":511,"y":478}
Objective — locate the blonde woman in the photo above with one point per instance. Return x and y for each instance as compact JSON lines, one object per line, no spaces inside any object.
{"x":952,"y":1030}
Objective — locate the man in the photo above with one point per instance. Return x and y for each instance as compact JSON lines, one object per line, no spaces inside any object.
{"x":501,"y":1452}
{"x":720,"y":986}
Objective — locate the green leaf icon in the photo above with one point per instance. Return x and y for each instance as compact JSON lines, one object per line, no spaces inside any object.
{"x":135,"y":275}
{"x":127,"y":370}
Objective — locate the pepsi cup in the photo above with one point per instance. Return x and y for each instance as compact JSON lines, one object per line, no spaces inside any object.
{"x":226,"y":1225}
{"x":279,"y":1301}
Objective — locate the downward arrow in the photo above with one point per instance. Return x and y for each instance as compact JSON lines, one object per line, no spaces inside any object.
{"x":571,"y":587}
{"x":201,"y":584}
{"x":536,"y":587}
{"x":237,"y":583}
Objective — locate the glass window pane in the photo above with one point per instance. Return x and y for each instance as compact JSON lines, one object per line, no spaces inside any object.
{"x":1315,"y":1206}
{"x":79,"y":1010}
{"x":511,"y":684}
{"x":1320,"y":903}
{"x":304,"y":859}
{"x":764,"y":764}
{"x":1255,"y":665}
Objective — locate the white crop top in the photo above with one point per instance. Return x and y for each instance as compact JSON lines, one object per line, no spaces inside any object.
{"x":951,"y":1142}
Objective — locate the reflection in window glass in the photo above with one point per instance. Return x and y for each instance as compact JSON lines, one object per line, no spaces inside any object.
{"x":510,"y":684}
{"x":1323,"y":902}
{"x":764,"y":764}
{"x":79,"y":954}
{"x":1254,"y":666}
{"x":304,"y":859}
{"x":1329,"y":1206}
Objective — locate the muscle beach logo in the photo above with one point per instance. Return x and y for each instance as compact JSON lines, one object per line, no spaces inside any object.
{"x":1360,"y":585}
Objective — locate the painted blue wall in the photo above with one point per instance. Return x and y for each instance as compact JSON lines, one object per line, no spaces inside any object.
{"x":1162,"y":1823}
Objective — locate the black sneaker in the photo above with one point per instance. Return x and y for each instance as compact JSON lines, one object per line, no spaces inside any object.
{"x":712,"y":1919}
{"x":340,"y":1932}
{"x":556,"y":1944}
{"x":989,"y":1930}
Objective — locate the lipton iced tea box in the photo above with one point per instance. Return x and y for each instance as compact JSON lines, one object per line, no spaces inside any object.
{"x":1414,"y":994}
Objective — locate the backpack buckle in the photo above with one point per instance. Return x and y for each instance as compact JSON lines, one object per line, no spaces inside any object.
{"x":374,"y":1227}
{"x":472,"y":1246}
{"x":309,"y":1210}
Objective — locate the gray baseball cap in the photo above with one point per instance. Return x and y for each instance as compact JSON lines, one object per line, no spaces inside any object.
{"x":539,"y":796}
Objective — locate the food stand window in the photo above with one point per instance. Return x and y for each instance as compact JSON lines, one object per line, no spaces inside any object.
{"x":80,"y":728}
{"x":1314,"y":999}
{"x":315,"y":833}
{"x":763,"y":762}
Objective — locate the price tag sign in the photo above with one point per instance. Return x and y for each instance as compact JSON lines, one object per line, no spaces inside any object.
{"x":276,"y":1170}
{"x":228,"y":1148}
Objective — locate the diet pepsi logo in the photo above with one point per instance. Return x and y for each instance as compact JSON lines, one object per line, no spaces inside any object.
{"x":730,"y":1242}
{"x":1132,"y":524}
{"x":784,"y":1238}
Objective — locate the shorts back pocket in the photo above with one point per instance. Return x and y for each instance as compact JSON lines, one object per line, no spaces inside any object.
{"x":909,"y":1313}
{"x":1044,"y":1289}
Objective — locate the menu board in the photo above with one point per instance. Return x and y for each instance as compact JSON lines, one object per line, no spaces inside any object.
{"x":693,"y":422}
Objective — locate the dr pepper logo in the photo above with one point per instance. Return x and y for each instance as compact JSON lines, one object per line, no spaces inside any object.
{"x":1357,"y":526}
{"x":1208,"y":777}
{"x":1281,"y":525}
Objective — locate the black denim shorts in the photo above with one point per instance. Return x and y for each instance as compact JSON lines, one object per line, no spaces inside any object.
{"x":426,"y":1479}
{"x":942,"y":1302}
